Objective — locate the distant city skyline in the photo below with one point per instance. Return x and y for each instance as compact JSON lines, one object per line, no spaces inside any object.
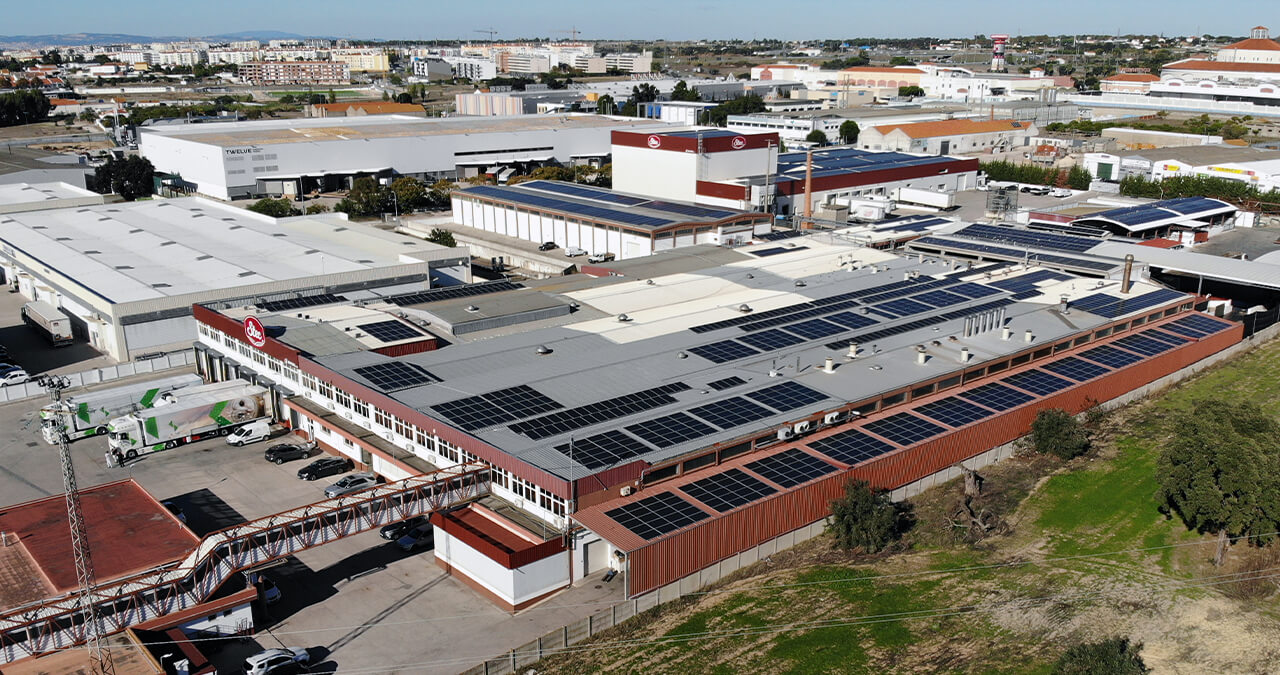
{"x":659,"y":19}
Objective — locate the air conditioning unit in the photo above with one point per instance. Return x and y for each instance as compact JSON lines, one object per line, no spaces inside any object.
{"x":802,"y":427}
{"x":626,"y":490}
{"x":785,"y":433}
{"x":831,"y":418}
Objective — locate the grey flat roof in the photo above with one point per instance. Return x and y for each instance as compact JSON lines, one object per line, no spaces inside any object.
{"x":600,"y":357}
{"x":1200,"y":155}
{"x":155,"y":249}
{"x":34,"y":193}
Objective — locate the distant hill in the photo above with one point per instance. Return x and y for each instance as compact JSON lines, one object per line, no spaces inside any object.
{"x":71,"y":39}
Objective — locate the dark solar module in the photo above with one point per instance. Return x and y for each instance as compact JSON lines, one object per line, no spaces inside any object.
{"x":973,"y":290}
{"x":904,"y":429}
{"x":786,"y":396}
{"x":394,"y":376}
{"x":731,"y":412}
{"x":600,"y":450}
{"x":850,"y":447}
{"x":564,"y":421}
{"x":299,"y":303}
{"x":496,"y":407}
{"x":851,"y":321}
{"x":451,"y":292}
{"x":814,"y":329}
{"x":657,"y":515}
{"x":771,"y":339}
{"x":1110,"y":356}
{"x":902,"y":307}
{"x":1042,"y":258}
{"x":584,"y":191}
{"x":1143,"y":344}
{"x":1037,"y":382}
{"x":727,"y":383}
{"x":723,"y":351}
{"x":790,"y":468}
{"x":728,"y":490}
{"x":996,"y":396}
{"x":939,"y":298}
{"x":670,"y":430}
{"x":1076,"y":369}
{"x":390,"y":331}
{"x":953,"y":411}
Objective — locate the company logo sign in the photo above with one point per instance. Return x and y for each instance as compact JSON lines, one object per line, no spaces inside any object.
{"x":242,"y":151}
{"x":738,"y":142}
{"x":254,"y":332}
{"x":655,"y":142}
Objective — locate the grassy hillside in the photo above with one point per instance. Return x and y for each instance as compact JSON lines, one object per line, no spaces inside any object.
{"x":1079,"y":552}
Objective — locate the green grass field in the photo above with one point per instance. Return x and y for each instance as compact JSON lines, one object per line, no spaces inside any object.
{"x":1091,"y":506}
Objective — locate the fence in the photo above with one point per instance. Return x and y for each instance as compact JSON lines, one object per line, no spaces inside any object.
{"x":155,"y":364}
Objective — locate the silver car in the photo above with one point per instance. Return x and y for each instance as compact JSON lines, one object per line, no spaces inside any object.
{"x":352,"y":483}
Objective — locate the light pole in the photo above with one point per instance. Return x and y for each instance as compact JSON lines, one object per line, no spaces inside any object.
{"x":395,"y":201}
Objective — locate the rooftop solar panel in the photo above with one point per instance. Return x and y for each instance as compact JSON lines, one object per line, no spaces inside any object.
{"x":1193,"y":205}
{"x":902,"y":307}
{"x":850,"y":447}
{"x":670,"y":430}
{"x":790,"y":468}
{"x":723,"y":351}
{"x":1075,"y":369}
{"x":299,"y":303}
{"x":564,"y":421}
{"x":940,"y":298}
{"x":617,"y":213}
{"x":728,"y":490}
{"x":390,"y":331}
{"x":605,"y":449}
{"x":786,"y":396}
{"x":971,"y":289}
{"x":451,"y":292}
{"x":1201,"y":323}
{"x":1110,"y":356}
{"x":769,"y":340}
{"x":903,"y":428}
{"x":584,"y":191}
{"x":1013,"y":254}
{"x":814,"y":329}
{"x":953,"y":412}
{"x":1143,"y":344}
{"x":394,"y":375}
{"x":727,"y":383}
{"x":996,"y":396}
{"x":916,"y":324}
{"x":1171,"y":338}
{"x":851,"y":320}
{"x":1037,"y":382}
{"x":1134,"y":215}
{"x":731,"y":412}
{"x":691,"y":210}
{"x":496,"y":407}
{"x":1021,"y":237}
{"x":655,"y":516}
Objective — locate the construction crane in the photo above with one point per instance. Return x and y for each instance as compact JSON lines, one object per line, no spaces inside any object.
{"x":488,"y":31}
{"x":99,"y":652}
{"x":573,"y":33}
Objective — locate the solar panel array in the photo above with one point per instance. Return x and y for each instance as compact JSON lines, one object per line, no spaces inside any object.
{"x":1028,"y":281}
{"x":766,"y":252}
{"x":564,"y":421}
{"x":1014,"y":254}
{"x":1196,"y":326}
{"x":1064,"y":228}
{"x":728,"y":490}
{"x":953,"y":411}
{"x":786,"y":396}
{"x":1037,"y":382}
{"x":451,"y":292}
{"x":1187,"y":207}
{"x":1110,"y":356}
{"x":496,"y":407}
{"x":727,"y":383}
{"x":1112,"y":307}
{"x":1021,"y":237}
{"x":779,"y":235}
{"x":531,"y":198}
{"x":584,"y":191}
{"x":1192,"y":205}
{"x":996,"y":396}
{"x":1143,"y":344}
{"x":395,"y":375}
{"x":771,"y":339}
{"x":731,"y":412}
{"x":299,"y":303}
{"x":1076,"y":369}
{"x":790,"y":468}
{"x":903,"y":428}
{"x":723,"y":351}
{"x":390,"y":331}
{"x":669,"y":430}
{"x":604,"y":449}
{"x":691,"y":210}
{"x":657,"y":515}
{"x":916,"y":324}
{"x":850,"y":447}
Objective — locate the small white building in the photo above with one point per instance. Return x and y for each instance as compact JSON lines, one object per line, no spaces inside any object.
{"x":949,"y":136}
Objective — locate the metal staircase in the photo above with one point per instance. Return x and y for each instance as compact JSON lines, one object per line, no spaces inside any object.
{"x":60,"y":622}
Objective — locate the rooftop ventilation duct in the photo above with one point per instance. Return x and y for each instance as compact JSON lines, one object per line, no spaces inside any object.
{"x":543,"y":350}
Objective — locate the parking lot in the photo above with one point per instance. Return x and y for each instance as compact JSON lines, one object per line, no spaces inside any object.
{"x":361,"y":604}
{"x":29,"y":349}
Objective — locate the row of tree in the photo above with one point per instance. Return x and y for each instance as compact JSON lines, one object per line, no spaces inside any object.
{"x":367,"y":197}
{"x":131,"y":177}
{"x":1076,"y":178}
{"x":1233,"y":191}
{"x":587,"y":175}
{"x":23,"y":107}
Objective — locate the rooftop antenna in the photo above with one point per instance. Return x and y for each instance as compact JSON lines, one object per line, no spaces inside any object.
{"x":99,"y":651}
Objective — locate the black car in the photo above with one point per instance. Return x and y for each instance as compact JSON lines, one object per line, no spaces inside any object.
{"x":394,"y":531}
{"x":286,"y":452}
{"x":419,"y":537}
{"x":548,"y":246}
{"x":326,"y":466}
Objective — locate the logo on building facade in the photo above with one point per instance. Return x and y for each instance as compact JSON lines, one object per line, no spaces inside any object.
{"x":655,"y":142}
{"x":738,"y":142}
{"x":254,"y":332}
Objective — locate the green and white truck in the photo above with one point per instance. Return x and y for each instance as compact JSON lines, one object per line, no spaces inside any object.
{"x":87,"y":414}
{"x":186,"y":415}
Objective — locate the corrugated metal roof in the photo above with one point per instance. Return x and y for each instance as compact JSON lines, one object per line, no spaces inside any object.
{"x":1190,"y":262}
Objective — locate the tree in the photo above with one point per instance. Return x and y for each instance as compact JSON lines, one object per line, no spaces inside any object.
{"x":563,"y":173}
{"x":745,"y":105}
{"x":287,"y":99}
{"x":901,"y":61}
{"x":23,"y":107}
{"x":386,"y":96}
{"x":317,"y":99}
{"x":1057,"y":432}
{"x":442,"y":237}
{"x":605,"y":105}
{"x":130,"y":177}
{"x":910,"y":91}
{"x":849,"y":132}
{"x":404,"y":97}
{"x":438,"y":197}
{"x":817,"y":137}
{"x":1220,"y":472}
{"x":366,"y":198}
{"x":317,"y":208}
{"x":644,"y":93}
{"x":1079,"y":178}
{"x":683,"y":92}
{"x":865,"y":518}
{"x":395,"y":79}
{"x":276,"y":208}
{"x":1114,"y":656}
{"x":410,"y":193}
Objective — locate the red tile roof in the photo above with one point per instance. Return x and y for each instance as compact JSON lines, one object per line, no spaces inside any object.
{"x":881,"y":69}
{"x":1223,"y":66}
{"x":129,"y":531}
{"x":1160,"y":243}
{"x":954,"y":127}
{"x":1132,"y":77}
{"x":1256,"y":44}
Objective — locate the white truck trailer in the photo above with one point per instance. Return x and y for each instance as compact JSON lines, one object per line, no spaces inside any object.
{"x":922,"y":197}
{"x":87,"y":414}
{"x":50,"y":321}
{"x":186,"y":415}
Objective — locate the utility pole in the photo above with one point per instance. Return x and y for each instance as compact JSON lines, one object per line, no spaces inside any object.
{"x":99,"y":652}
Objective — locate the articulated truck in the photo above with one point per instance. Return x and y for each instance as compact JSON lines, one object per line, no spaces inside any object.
{"x":50,"y":321}
{"x":87,"y":414}
{"x":186,"y":415}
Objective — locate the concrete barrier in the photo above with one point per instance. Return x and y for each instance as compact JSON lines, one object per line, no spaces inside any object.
{"x":162,"y":362}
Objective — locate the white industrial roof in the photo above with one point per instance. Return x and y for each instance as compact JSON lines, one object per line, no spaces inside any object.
{"x":153,"y":249}
{"x":29,"y":193}
{"x":1189,"y":262}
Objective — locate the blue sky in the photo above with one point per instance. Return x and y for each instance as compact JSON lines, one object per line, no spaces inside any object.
{"x":670,"y":19}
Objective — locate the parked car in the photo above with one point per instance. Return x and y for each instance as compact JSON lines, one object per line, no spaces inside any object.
{"x":574,"y":251}
{"x":419,"y":537}
{"x":276,"y":660}
{"x":394,"y":531}
{"x":175,"y":510}
{"x":548,"y":246}
{"x":600,"y":257}
{"x":13,"y":375}
{"x":325,"y":466}
{"x":1036,"y":189}
{"x":353,"y":483}
{"x":1060,"y":193}
{"x":287,"y":452}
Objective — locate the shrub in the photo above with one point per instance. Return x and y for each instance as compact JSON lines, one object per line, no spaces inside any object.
{"x":1056,"y":432}
{"x":864,"y":518}
{"x":1113,"y":656}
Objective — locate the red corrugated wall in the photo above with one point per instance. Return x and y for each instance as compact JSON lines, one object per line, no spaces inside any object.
{"x":686,"y":552}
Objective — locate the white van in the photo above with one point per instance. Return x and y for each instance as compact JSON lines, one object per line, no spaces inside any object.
{"x":573,"y":251}
{"x":251,"y":433}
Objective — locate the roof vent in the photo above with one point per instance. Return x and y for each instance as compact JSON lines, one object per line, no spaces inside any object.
{"x":681,"y":355}
{"x":800,"y":283}
{"x":472,"y":308}
{"x":744,"y":308}
{"x":648,"y":282}
{"x":623,"y":318}
{"x":543,"y":350}
{"x":92,"y":252}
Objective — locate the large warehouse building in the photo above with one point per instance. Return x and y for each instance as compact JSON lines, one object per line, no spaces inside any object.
{"x":127,"y":274}
{"x":684,"y":410}
{"x":287,"y":157}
